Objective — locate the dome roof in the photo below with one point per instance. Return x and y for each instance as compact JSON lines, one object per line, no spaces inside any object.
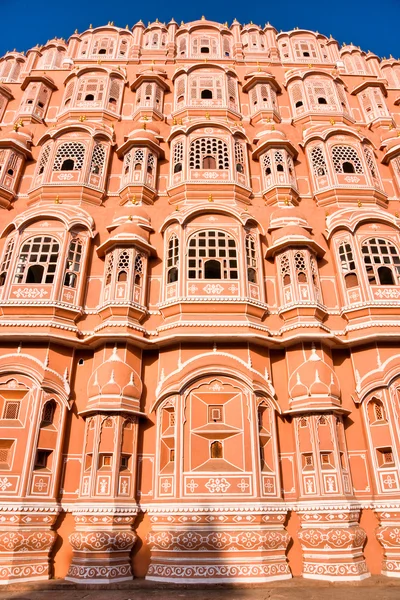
{"x":286,"y":217}
{"x":21,"y":137}
{"x":114,"y":385}
{"x":289,"y":233}
{"x":314,"y":378}
{"x":130,"y":214}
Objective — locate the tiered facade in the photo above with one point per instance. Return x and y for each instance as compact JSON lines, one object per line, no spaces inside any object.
{"x":199,"y":307}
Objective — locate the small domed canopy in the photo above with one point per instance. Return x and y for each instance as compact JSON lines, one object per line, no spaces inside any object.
{"x":260,"y":76}
{"x":114,"y":387}
{"x":314,"y":382}
{"x":48,"y":81}
{"x":130,"y":227}
{"x":272,"y":137}
{"x":20,"y":139}
{"x":148,"y":135}
{"x":287,"y":216}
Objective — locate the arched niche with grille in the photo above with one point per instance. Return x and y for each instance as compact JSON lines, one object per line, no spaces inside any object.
{"x":277,"y":169}
{"x":5,"y":97}
{"x":35,"y":99}
{"x":354,"y":61}
{"x":52,"y":56}
{"x":209,"y":88}
{"x":383,"y":445}
{"x":347,"y":163}
{"x":298,"y":277}
{"x":103,"y":43}
{"x":150,"y":88}
{"x":208,"y":43}
{"x":391,"y":71}
{"x":314,"y":95}
{"x":95,"y":90}
{"x":45,"y":268}
{"x":156,"y":38}
{"x":306,"y":47}
{"x":14,"y":152}
{"x":262,"y":89}
{"x":73,"y":163}
{"x":347,"y":260}
{"x":373,"y":104}
{"x":140,"y":154}
{"x":381,"y":260}
{"x":254,"y":41}
{"x":11,"y":66}
{"x":209,"y":155}
{"x":172,"y":269}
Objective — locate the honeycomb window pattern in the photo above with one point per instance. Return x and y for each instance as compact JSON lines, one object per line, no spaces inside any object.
{"x":208,"y":148}
{"x":214,"y":246}
{"x":69,"y":151}
{"x":346,"y":155}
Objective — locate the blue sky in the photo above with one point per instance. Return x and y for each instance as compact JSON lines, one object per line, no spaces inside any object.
{"x":371,"y":24}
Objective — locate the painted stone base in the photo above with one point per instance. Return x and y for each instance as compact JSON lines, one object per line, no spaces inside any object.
{"x":26,"y":541}
{"x":388,"y":534}
{"x":102,"y":545}
{"x":332,"y":542}
{"x":192,"y":546}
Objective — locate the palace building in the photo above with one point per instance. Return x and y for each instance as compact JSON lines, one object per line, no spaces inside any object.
{"x":199,"y":307}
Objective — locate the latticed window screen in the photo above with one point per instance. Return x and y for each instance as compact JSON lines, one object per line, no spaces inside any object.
{"x":251,"y":253}
{"x":239,"y":157}
{"x":11,"y":409}
{"x":318,"y":161}
{"x":305,"y":49}
{"x":369,"y":158}
{"x":346,"y":257}
{"x":104,"y":45}
{"x":346,"y":155}
{"x":178,"y":156}
{"x":6,"y":453}
{"x":91,"y":89}
{"x":321,"y":95}
{"x":73,"y":263}
{"x":297,"y":95}
{"x":115,"y":90}
{"x":109,"y":268}
{"x":5,"y":264}
{"x":180,"y":88}
{"x":73,"y":152}
{"x":44,"y":158}
{"x":138,"y":268}
{"x":381,"y":260}
{"x":98,"y":159}
{"x":151,"y":161}
{"x":48,"y":412}
{"x":379,"y":412}
{"x":69,"y":90}
{"x":300,"y":266}
{"x":206,"y":148}
{"x":123,"y":265}
{"x":38,"y":260}
{"x":173,"y":259}
{"x":201,"y":84}
{"x":266,"y":163}
{"x":14,"y":161}
{"x":285,"y":269}
{"x":206,"y":249}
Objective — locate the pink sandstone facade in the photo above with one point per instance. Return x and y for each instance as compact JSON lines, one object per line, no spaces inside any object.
{"x":199,"y":307}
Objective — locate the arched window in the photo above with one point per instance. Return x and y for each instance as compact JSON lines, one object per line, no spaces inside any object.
{"x":318,"y":161}
{"x":208,"y":148}
{"x":346,"y":160}
{"x":138,"y":269}
{"x":73,"y":263}
{"x":212,"y":255}
{"x":216,"y":449}
{"x":285,"y":270}
{"x":251,"y":258}
{"x":206,"y":94}
{"x":173,"y":259}
{"x":297,"y":97}
{"x":5,"y":264}
{"x":37,"y":261}
{"x":382,"y":261}
{"x":98,"y":160}
{"x":348,"y":265}
{"x":369,"y":158}
{"x":44,"y":157}
{"x":301,"y":267}
{"x":123,"y":266}
{"x":69,"y":157}
{"x":48,"y":412}
{"x":178,"y":157}
{"x":239,"y":157}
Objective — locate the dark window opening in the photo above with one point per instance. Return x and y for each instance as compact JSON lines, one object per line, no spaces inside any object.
{"x":137,"y":280}
{"x":239,"y":168}
{"x":112,"y":101}
{"x":48,"y":413}
{"x":216,"y":450}
{"x":385,"y":276}
{"x":280,"y":168}
{"x":10,"y":172}
{"x":322,"y":101}
{"x":268,"y":171}
{"x":209,"y":162}
{"x":70,"y":280}
{"x":348,"y":167}
{"x":286,"y":279}
{"x":251,"y":275}
{"x":102,"y":51}
{"x":205,"y":50}
{"x":122,"y":276}
{"x":306,"y":54}
{"x":3,"y":278}
{"x":89,"y":97}
{"x":212,"y":269}
{"x":68,"y":165}
{"x":206,"y":94}
{"x":172,"y":275}
{"x":35,"y":274}
{"x":42,"y":459}
{"x":299,"y":103}
{"x":138,"y":167}
{"x":351,"y":280}
{"x":178,"y":168}
{"x":301,"y":278}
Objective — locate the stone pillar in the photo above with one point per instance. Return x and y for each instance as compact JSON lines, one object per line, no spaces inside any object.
{"x":226,"y":545}
{"x":102,"y":544}
{"x":388,"y":535}
{"x":26,"y":541}
{"x":332,"y":542}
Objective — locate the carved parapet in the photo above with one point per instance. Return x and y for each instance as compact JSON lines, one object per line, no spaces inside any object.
{"x":332,"y":542}
{"x":102,"y":544}
{"x":26,"y":541}
{"x":388,"y":535}
{"x":194,"y":545}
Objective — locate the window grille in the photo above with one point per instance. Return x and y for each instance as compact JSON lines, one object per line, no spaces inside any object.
{"x":346,"y":160}
{"x":266,"y":162}
{"x":69,"y":154}
{"x":178,"y":157}
{"x":6,"y":453}
{"x":297,"y":96}
{"x":104,"y":46}
{"x":182,"y":46}
{"x":379,"y":412}
{"x":226,"y":46}
{"x":127,"y":162}
{"x":11,"y":409}
{"x":115,"y":91}
{"x":91,"y":90}
{"x":208,"y":147}
{"x":212,"y":255}
{"x":369,"y":158}
{"x":285,"y":269}
{"x":69,"y":93}
{"x":5,"y":265}
{"x":300,"y":266}
{"x":48,"y":412}
{"x":180,"y":89}
{"x":37,"y":261}
{"x":342,"y":96}
{"x":73,"y":263}
{"x":109,"y":268}
{"x":318,"y":161}
{"x":138,"y":159}
{"x":251,"y":258}
{"x":150,"y":163}
{"x":346,"y":258}
{"x":123,"y":48}
{"x":382,"y":261}
{"x":239,"y":157}
{"x":314,"y":276}
{"x":138,"y":268}
{"x":123,"y":266}
{"x":98,"y":159}
{"x":173,"y":259}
